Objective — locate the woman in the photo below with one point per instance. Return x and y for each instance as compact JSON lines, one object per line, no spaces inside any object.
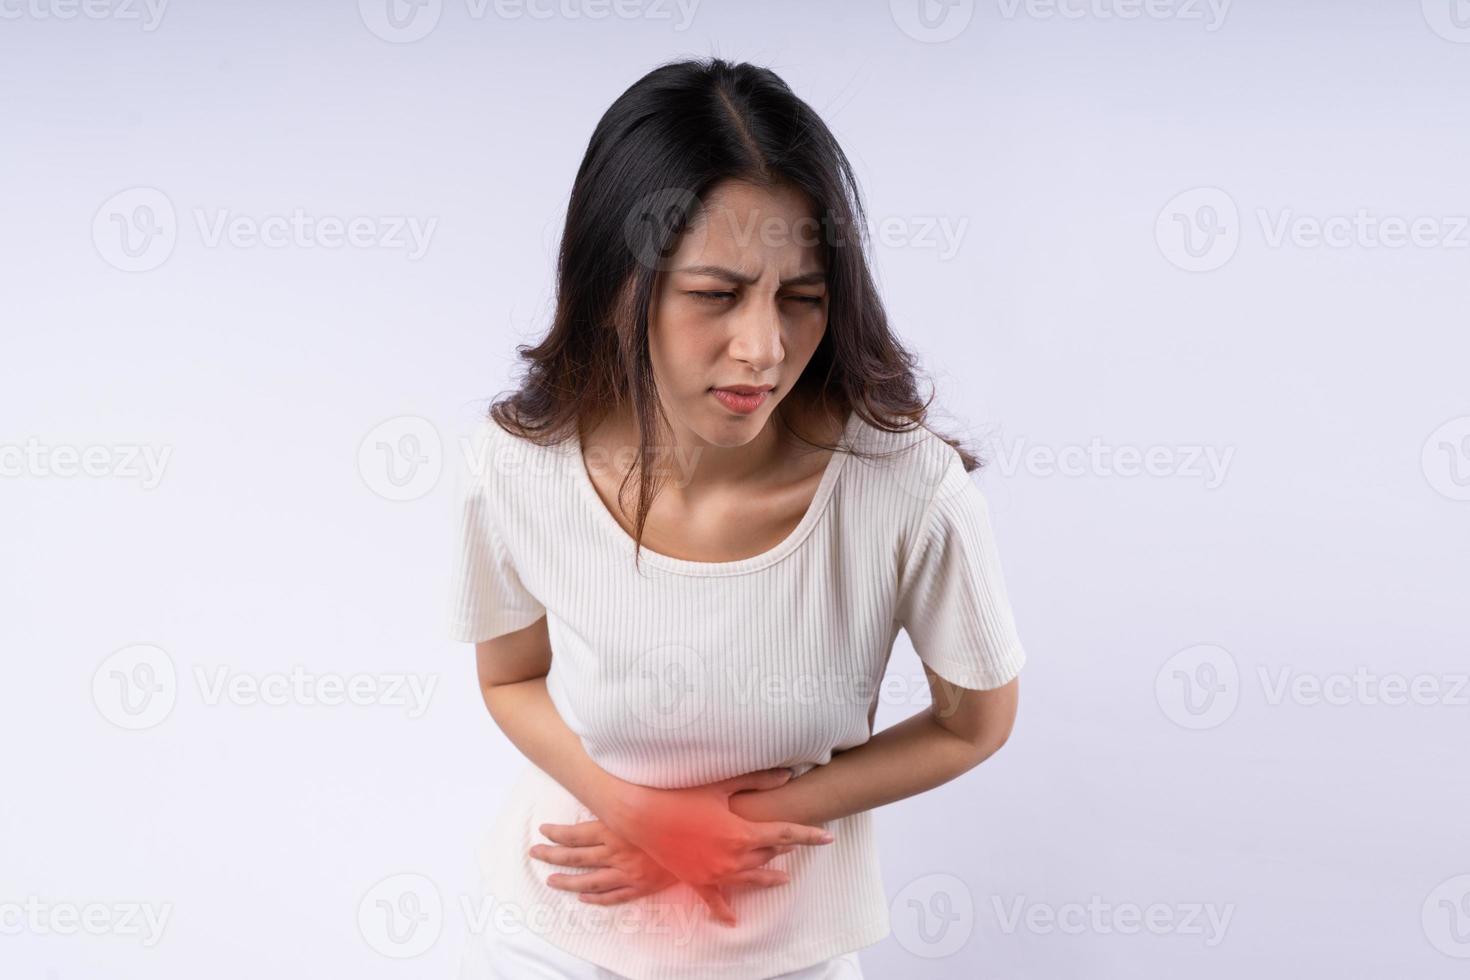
{"x":692,"y":671}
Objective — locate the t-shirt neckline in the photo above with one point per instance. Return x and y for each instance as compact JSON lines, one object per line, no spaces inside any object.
{"x":685,"y":566}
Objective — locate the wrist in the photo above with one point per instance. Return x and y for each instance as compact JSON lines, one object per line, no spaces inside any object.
{"x":756,"y":805}
{"x":616,"y":802}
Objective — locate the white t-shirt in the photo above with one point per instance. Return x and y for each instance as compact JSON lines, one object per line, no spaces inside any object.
{"x":684,"y":673}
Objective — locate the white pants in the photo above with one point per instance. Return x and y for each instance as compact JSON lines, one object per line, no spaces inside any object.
{"x":525,"y":956}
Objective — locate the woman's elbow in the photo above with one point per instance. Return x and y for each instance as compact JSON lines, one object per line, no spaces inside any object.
{"x":997,"y":720}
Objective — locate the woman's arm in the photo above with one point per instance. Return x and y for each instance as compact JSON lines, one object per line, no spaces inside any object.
{"x":958,"y":731}
{"x":512,"y":673}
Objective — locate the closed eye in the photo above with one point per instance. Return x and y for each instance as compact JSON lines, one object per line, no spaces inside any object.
{"x":719,"y":296}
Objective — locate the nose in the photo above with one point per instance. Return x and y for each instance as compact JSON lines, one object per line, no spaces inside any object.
{"x":757,"y":336}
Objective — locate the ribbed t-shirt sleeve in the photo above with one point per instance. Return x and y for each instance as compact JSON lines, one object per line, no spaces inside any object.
{"x":952,"y":599}
{"x":489,"y":598}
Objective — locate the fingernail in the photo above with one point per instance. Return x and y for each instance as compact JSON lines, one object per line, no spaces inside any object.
{"x":826,"y":838}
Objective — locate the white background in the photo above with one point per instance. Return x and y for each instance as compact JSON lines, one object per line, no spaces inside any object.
{"x":1157,"y":759}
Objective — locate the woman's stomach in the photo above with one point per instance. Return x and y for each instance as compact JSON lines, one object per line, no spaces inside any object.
{"x":834,"y":898}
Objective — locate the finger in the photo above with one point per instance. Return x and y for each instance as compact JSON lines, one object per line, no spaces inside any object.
{"x":715,"y":899}
{"x":604,"y":879}
{"x":577,"y":834}
{"x":610,"y":898}
{"x":760,"y":855}
{"x":780,"y":832}
{"x":760,"y":779}
{"x":766,"y":877}
{"x":572,"y":857}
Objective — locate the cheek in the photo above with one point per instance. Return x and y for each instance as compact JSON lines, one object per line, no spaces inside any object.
{"x":678,"y":345}
{"x":805,"y":334}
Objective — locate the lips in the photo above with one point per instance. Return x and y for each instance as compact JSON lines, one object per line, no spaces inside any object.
{"x":742,"y":399}
{"x":745,"y":389}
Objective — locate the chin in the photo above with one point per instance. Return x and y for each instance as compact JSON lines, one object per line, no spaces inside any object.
{"x":729,"y":430}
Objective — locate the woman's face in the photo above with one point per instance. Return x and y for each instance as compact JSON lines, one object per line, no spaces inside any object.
{"x":741,"y":302}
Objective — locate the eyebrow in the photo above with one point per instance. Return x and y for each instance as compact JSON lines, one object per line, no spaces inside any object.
{"x":720,"y":272}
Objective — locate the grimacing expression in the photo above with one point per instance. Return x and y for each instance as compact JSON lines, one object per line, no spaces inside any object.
{"x":742,"y":301}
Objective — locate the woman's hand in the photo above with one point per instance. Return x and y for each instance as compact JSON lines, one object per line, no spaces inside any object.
{"x":623,"y":871}
{"x":692,"y":833}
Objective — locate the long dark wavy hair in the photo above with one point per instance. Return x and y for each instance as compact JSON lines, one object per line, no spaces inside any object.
{"x":658,"y":150}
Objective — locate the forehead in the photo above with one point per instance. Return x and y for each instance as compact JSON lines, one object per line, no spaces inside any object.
{"x":741,"y":224}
